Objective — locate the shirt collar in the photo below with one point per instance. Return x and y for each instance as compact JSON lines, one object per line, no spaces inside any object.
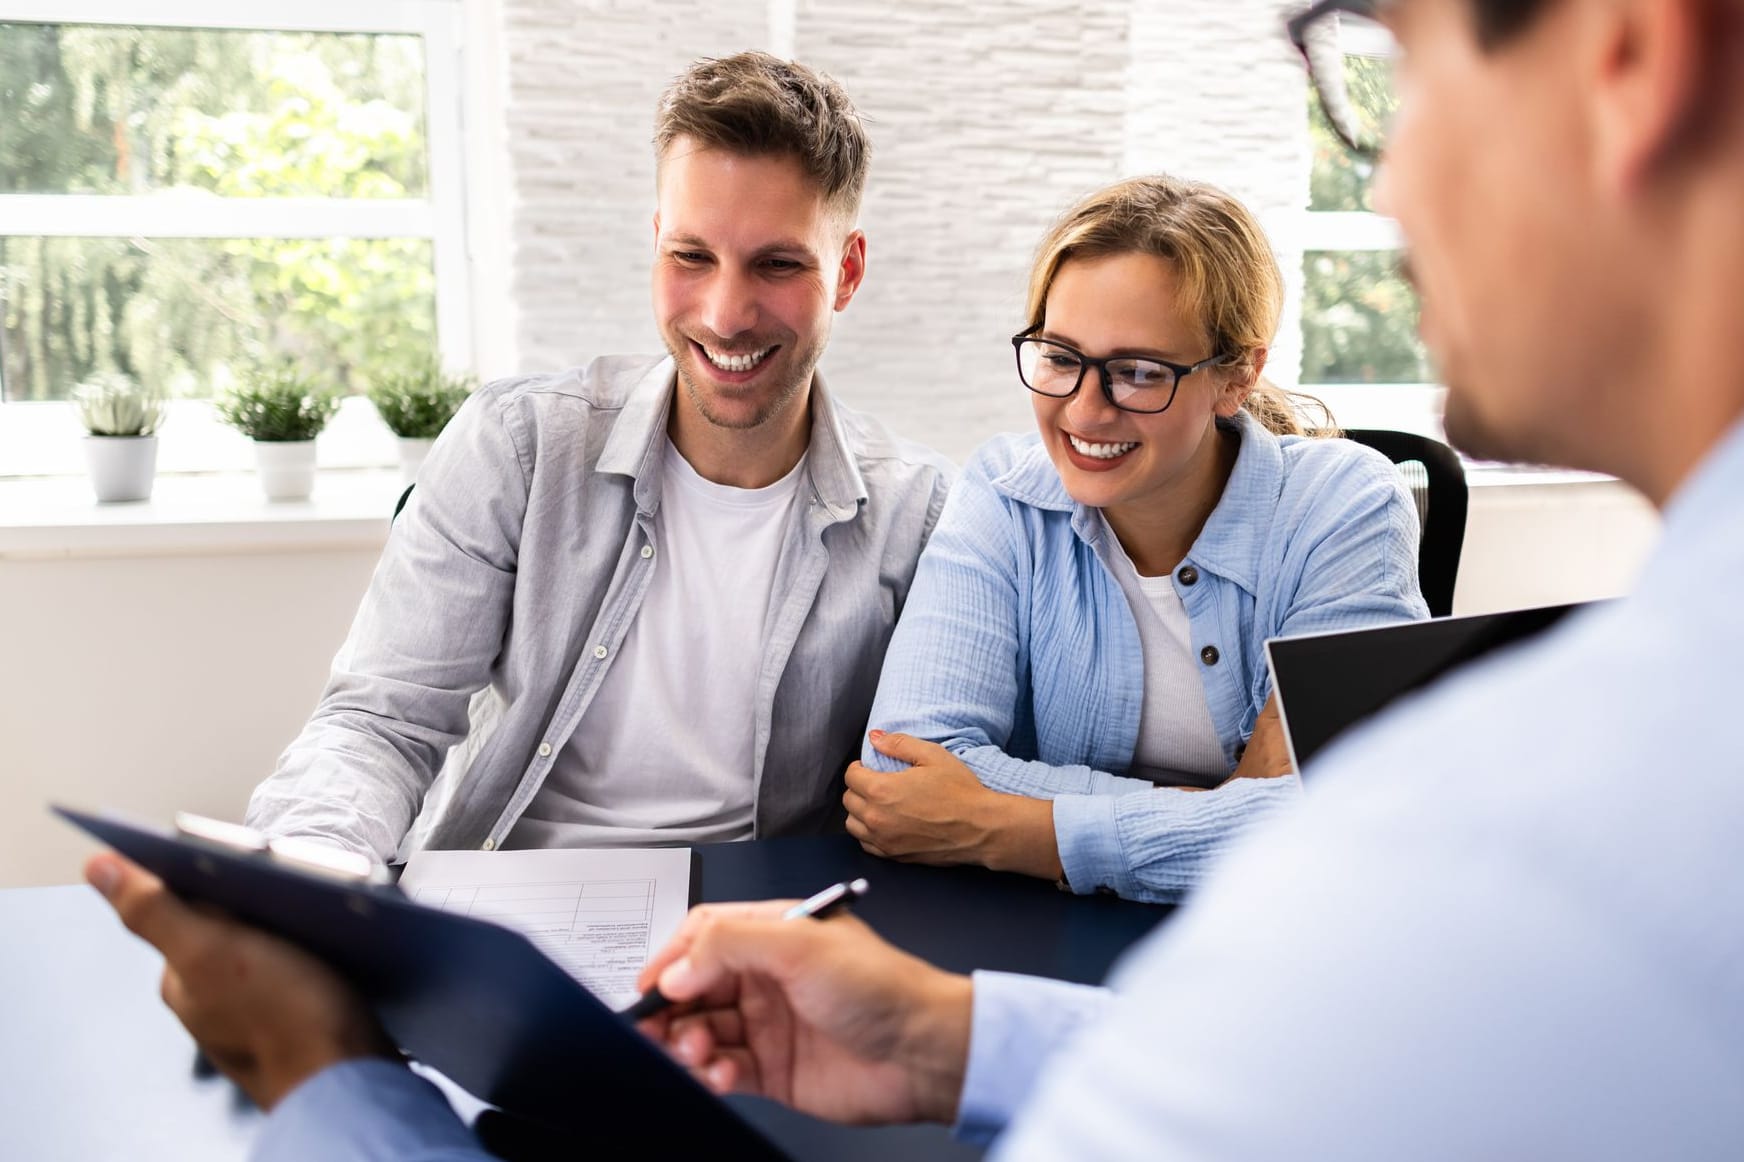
{"x":637,"y":442}
{"x":1230,"y":544}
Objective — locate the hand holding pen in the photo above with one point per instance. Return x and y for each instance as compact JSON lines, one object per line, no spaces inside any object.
{"x":823,"y":905}
{"x":829,"y":1019}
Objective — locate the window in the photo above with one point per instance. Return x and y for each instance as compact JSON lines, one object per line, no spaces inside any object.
{"x":188,"y":188}
{"x":1360,"y":348}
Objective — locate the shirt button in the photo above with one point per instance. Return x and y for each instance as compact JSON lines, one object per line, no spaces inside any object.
{"x":1209,"y":655}
{"x":1188,"y":575}
{"x":647,"y":551}
{"x":544,"y":749}
{"x":488,"y":845}
{"x":600,"y":652}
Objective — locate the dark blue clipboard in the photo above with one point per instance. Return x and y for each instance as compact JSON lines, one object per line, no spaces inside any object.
{"x":473,"y":1000}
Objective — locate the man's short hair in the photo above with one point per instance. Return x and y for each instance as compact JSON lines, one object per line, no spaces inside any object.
{"x":759,"y":105}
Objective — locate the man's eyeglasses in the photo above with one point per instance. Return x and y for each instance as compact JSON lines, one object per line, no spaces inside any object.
{"x":1146,"y":386}
{"x":1350,"y":57}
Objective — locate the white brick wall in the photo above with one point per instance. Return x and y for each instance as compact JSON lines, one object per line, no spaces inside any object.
{"x":987,"y":119}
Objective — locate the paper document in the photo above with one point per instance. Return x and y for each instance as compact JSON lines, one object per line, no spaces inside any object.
{"x":600,"y":914}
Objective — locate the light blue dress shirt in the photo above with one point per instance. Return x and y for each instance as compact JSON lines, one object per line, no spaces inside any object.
{"x":1507,"y":923}
{"x":1019,"y":651}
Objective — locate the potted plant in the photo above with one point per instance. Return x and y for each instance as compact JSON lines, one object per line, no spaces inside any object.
{"x":282,"y":411}
{"x":416,"y":403}
{"x":121,"y":419}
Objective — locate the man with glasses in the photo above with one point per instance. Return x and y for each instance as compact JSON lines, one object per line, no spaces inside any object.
{"x":1508,"y":922}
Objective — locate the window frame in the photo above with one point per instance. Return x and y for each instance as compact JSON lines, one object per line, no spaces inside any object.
{"x":39,"y":438}
{"x":1412,"y":407}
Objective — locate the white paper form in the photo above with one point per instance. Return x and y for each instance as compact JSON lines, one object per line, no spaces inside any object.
{"x":600,"y":914}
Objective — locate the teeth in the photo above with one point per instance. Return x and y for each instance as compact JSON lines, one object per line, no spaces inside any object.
{"x":1099,"y":451}
{"x":728,"y":362}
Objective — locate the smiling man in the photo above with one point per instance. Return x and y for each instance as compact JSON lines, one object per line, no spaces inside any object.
{"x":645,"y":600}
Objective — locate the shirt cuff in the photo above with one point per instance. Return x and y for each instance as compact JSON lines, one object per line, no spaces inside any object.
{"x":363,"y":1111}
{"x":1089,"y":841}
{"x":1016,"y":1026}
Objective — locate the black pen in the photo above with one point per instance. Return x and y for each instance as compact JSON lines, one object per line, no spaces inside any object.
{"x":819,"y":907}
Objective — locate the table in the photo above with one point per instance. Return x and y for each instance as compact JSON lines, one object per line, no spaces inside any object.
{"x":93,"y":1067}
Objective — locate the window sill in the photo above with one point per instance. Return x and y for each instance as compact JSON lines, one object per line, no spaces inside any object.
{"x":224,"y":513}
{"x":218,"y":513}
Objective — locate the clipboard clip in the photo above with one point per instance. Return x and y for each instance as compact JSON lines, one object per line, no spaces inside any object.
{"x":306,"y":855}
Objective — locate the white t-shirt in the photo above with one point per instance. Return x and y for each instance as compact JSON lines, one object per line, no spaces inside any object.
{"x":663,"y":754}
{"x":1177,"y":741}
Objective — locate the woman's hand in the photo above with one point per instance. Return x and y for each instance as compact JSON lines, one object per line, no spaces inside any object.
{"x":1268,"y":754}
{"x":938,"y":812}
{"x":822,"y":1015}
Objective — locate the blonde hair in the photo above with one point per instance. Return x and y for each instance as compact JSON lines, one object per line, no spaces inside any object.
{"x":1229,"y":277}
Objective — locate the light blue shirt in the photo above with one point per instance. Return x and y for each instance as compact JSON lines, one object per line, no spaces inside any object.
{"x":1019,"y":651}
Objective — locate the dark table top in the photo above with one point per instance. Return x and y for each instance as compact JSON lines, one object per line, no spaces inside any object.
{"x":93,"y":1067}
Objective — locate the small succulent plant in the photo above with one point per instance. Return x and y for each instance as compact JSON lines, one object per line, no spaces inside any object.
{"x":112,"y":404}
{"x":278,"y":404}
{"x":417,"y":402}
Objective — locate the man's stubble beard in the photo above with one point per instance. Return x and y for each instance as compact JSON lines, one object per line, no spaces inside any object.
{"x":789,"y":392}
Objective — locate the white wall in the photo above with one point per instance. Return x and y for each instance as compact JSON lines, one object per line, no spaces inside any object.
{"x":155,"y":684}
{"x":987,"y":120}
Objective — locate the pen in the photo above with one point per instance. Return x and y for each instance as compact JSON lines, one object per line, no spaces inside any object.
{"x":822,"y":906}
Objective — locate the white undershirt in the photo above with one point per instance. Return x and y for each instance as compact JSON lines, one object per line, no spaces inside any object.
{"x":664,"y":752}
{"x":1177,"y":741}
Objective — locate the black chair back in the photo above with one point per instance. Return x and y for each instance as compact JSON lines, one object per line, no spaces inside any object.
{"x":1433,"y":473}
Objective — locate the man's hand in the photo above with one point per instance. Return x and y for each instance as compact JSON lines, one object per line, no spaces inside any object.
{"x":820,"y":1015}
{"x":938,"y":812}
{"x":266,"y":1013}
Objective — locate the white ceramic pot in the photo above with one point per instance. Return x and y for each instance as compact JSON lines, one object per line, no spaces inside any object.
{"x":412,"y":453}
{"x":122,"y":467}
{"x":287,"y":468}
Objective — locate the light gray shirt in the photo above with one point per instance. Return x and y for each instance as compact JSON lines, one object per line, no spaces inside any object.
{"x":510,"y":581}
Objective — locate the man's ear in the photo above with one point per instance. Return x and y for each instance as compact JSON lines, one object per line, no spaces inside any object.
{"x":656,"y":227}
{"x":853,"y":269}
{"x":1650,"y":74}
{"x":1239,"y":382}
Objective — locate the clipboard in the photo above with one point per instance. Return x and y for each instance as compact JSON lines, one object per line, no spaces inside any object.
{"x":473,"y":1000}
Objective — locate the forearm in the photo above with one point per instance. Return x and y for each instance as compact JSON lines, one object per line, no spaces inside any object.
{"x":1159,"y":844}
{"x":1020,"y":837}
{"x":354,"y":792}
{"x":1000,"y":772}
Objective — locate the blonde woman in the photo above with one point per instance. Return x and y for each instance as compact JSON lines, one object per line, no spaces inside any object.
{"x":1077,"y":688}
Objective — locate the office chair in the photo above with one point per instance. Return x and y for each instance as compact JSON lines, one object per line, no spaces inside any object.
{"x":1433,"y":473}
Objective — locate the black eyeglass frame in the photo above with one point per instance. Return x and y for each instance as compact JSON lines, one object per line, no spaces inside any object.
{"x":1085,"y":363}
{"x":1297,"y":27}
